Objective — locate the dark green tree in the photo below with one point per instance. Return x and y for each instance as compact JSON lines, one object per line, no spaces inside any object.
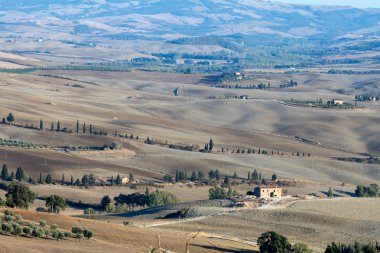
{"x":41,"y":124}
{"x":274,"y":177}
{"x":105,"y":201}
{"x":84,"y":127}
{"x":330,"y":193}
{"x":118,"y":180}
{"x":255,"y":175}
{"x":10,"y":118}
{"x":58,"y":126}
{"x":55,"y":203}
{"x":4,"y":172}
{"x":217,"y":193}
{"x":63,"y":179}
{"x":210,"y":145}
{"x":20,"y":175}
{"x":193,"y":177}
{"x":19,"y":195}
{"x":271,"y":242}
{"x":226,"y":181}
{"x":48,"y":179}
{"x":77,"y":128}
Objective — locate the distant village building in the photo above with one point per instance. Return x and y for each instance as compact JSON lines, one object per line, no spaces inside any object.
{"x":336,"y":102}
{"x":267,"y":192}
{"x":244,"y":97}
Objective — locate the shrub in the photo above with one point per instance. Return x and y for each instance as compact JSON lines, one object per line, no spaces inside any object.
{"x":8,"y":218}
{"x":68,"y":234}
{"x":8,"y":212}
{"x":301,"y":248}
{"x":6,"y":228}
{"x":26,"y":230}
{"x":89,"y":211}
{"x":42,"y":223}
{"x":38,"y":232}
{"x":87,"y":233}
{"x":54,"y":227}
{"x":17,"y":230}
{"x":58,"y":235}
{"x":77,"y":230}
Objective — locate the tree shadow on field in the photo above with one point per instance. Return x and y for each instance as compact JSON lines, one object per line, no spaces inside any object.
{"x":334,"y":194}
{"x":351,"y":194}
{"x":210,"y":79}
{"x":219,"y":249}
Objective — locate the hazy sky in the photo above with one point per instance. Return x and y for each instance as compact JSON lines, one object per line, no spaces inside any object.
{"x":356,"y":3}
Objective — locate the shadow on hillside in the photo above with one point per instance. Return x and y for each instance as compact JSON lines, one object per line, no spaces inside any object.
{"x":219,"y":249}
{"x":334,"y":194}
{"x":351,"y":194}
{"x":211,"y":79}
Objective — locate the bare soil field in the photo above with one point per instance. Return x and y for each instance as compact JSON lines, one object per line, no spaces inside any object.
{"x":114,"y":238}
{"x":315,"y":222}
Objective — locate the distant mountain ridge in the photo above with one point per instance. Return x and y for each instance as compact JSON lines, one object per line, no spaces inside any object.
{"x":167,"y":18}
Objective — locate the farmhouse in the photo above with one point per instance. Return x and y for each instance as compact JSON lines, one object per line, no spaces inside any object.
{"x":336,"y":102}
{"x":267,"y":192}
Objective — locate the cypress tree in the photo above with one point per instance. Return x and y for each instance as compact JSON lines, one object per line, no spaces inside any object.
{"x":4,"y":172}
{"x":12,"y":177}
{"x":255,"y":175}
{"x":58,"y":126}
{"x":41,"y":125}
{"x":77,"y":126}
{"x":84,"y":127}
{"x":40,"y":180}
{"x":20,"y":174}
{"x":210,"y":145}
{"x":48,"y":179}
{"x":72,"y":180}
{"x":118,"y":180}
{"x":90,"y":128}
{"x":63,"y":179}
{"x":249,"y":175}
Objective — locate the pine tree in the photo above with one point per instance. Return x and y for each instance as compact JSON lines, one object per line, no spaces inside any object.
{"x":71,"y":180}
{"x":58,"y":126}
{"x":4,"y":172}
{"x":176,"y":175}
{"x":12,"y":177}
{"x":77,"y":126}
{"x":260,"y":176}
{"x":84,"y":127}
{"x":112,"y":181}
{"x":90,"y":128}
{"x":20,"y":174}
{"x":235,"y":175}
{"x":40,"y":180}
{"x":41,"y":125}
{"x":52,"y":127}
{"x":249,"y":175}
{"x":63,"y":179}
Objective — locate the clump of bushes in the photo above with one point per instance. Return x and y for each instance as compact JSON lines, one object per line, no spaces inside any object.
{"x":11,"y":224}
